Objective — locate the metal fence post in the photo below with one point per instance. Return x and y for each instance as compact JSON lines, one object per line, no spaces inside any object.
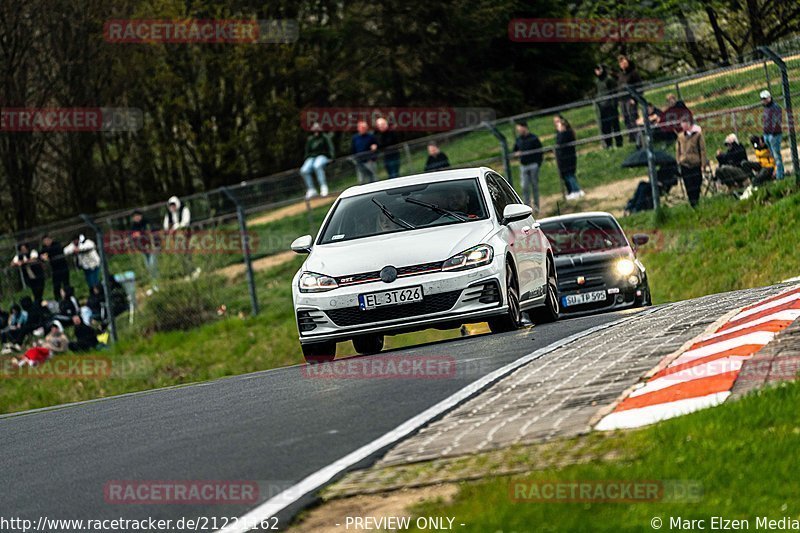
{"x":251,"y":282}
{"x":787,"y":102}
{"x":651,"y":161}
{"x":678,"y":91}
{"x":504,"y":148}
{"x":105,"y":278}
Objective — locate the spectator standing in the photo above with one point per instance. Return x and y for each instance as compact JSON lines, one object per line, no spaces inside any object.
{"x":361,"y":149}
{"x":144,"y":239}
{"x":52,"y":252}
{"x":387,"y":141}
{"x":567,"y":157}
{"x":30,"y":267}
{"x":773,"y":131}
{"x":690,"y":153}
{"x":628,"y":77}
{"x":86,"y":257}
{"x":527,"y":147}
{"x":318,"y":153}
{"x":607,"y":106}
{"x":437,"y":160}
{"x":178,"y":216}
{"x":85,"y":336}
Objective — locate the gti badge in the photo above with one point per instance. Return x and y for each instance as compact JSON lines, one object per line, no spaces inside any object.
{"x":388,"y":274}
{"x":581,"y":280}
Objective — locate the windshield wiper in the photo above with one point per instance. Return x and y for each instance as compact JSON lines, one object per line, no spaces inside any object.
{"x":436,"y":208}
{"x":604,"y":232}
{"x":391,"y":216}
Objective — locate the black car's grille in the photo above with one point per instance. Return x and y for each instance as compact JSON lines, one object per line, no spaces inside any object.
{"x":412,"y":270}
{"x":434,"y":303}
{"x":595,"y":275}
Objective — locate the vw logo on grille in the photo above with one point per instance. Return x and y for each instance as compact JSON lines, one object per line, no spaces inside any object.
{"x":388,"y":274}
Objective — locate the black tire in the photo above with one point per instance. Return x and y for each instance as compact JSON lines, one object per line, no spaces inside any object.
{"x":551,"y":309}
{"x":512,"y":320}
{"x":319,"y":352}
{"x":646,"y":299}
{"x":368,"y":344}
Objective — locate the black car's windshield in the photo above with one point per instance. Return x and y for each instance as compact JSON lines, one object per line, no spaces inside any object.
{"x":588,"y":234}
{"x":405,"y":208}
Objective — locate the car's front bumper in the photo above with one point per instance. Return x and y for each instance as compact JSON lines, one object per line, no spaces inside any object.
{"x":448,"y":298}
{"x":618,"y":296}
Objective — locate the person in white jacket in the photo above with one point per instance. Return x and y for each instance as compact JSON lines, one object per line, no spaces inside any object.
{"x":86,"y":257}
{"x":177,"y":217}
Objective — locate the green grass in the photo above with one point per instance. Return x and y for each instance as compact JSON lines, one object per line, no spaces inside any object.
{"x":725,"y":244}
{"x":742,"y":455}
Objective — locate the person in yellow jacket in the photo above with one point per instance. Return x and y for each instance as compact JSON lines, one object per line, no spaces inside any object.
{"x":764,"y":167}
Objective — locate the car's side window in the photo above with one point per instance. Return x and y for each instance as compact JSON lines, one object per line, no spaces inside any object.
{"x":511,"y":195}
{"x":499,"y":200}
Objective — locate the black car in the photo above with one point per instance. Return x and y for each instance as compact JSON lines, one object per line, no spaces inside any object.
{"x":596,"y":265}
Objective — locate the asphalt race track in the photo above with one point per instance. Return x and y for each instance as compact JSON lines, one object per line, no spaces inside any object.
{"x":274,"y":427}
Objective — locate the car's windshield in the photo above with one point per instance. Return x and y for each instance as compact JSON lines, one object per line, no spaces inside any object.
{"x":405,"y":208}
{"x":578,"y":235}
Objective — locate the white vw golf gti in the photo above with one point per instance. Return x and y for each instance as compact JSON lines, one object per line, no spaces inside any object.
{"x":434,"y":250}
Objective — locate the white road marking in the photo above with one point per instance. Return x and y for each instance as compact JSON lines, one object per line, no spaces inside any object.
{"x":786,"y":314}
{"x":642,"y":416}
{"x":712,"y":368}
{"x":757,"y":337}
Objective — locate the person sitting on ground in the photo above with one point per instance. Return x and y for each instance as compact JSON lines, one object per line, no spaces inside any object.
{"x":764,"y":169}
{"x":85,"y":336}
{"x":437,"y":160}
{"x":67,"y":306}
{"x":730,"y":172}
{"x":17,"y":320}
{"x":4,"y":316}
{"x":55,"y":342}
{"x":318,"y":153}
{"x":95,"y":303}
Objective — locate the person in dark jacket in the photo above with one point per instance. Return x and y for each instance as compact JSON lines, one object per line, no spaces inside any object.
{"x":607,"y":106}
{"x":68,"y":306}
{"x":145,"y":240}
{"x":730,"y":172}
{"x":773,"y":132}
{"x":675,"y":112}
{"x":52,"y":252}
{"x":567,"y":158}
{"x":387,"y":141}
{"x":31,"y":271}
{"x":527,"y":147}
{"x":85,"y":336}
{"x":319,"y":152}
{"x":628,"y":77}
{"x":437,"y":160}
{"x":361,"y":148}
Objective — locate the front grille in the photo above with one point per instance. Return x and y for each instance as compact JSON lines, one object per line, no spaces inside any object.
{"x":375,"y":275}
{"x":308,"y":320}
{"x":486,"y":293}
{"x":434,"y":303}
{"x":596,"y":275}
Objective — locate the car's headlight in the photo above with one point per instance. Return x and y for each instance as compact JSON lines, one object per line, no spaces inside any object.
{"x":624,"y":267}
{"x":474,"y":257}
{"x":312,"y":282}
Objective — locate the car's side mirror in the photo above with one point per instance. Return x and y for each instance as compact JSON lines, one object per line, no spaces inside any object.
{"x":514,"y":212}
{"x":302,"y":245}
{"x":640,"y":239}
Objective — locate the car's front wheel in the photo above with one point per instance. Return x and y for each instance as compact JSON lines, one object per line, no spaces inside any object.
{"x":368,"y":344}
{"x":319,"y":352}
{"x":550,"y":310}
{"x":513,"y":318}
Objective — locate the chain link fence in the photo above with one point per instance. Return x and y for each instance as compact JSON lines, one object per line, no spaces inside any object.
{"x":156,"y":273}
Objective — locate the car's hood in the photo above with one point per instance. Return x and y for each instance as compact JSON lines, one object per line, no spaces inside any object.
{"x":593,"y":257}
{"x":400,"y":249}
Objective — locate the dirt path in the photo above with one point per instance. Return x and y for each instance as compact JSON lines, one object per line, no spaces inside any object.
{"x":291,"y":210}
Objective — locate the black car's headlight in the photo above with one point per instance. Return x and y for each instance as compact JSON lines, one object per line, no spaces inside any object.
{"x":313,"y":282}
{"x":624,"y":267}
{"x":474,"y":257}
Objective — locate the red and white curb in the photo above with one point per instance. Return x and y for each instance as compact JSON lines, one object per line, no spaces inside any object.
{"x":703,"y":375}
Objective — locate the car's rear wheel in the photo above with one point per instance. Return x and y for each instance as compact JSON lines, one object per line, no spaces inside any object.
{"x":368,"y":344}
{"x":513,"y":318}
{"x":550,"y":310}
{"x":319,"y":352}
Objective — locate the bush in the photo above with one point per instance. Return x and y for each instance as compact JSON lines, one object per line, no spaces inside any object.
{"x":181,"y":305}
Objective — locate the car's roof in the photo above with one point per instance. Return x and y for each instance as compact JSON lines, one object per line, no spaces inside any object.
{"x":575,"y":216}
{"x":427,"y":177}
